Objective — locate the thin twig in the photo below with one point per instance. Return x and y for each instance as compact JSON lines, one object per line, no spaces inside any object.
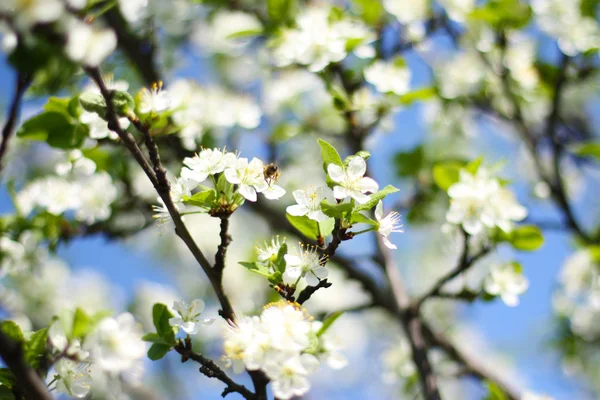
{"x":22,"y":82}
{"x":222,"y":249}
{"x":212,"y":370}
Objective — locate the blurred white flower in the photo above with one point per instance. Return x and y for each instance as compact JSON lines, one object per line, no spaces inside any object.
{"x":397,"y":362}
{"x":133,"y":10}
{"x":189,"y":316}
{"x":351,"y":180}
{"x":58,"y":339}
{"x":155,"y":99}
{"x":506,"y":281}
{"x":458,"y":9}
{"x":99,"y":127}
{"x":460,"y":75}
{"x":115,"y":345}
{"x":74,"y":377}
{"x":11,"y":256}
{"x":407,"y":11}
{"x":227,"y":32}
{"x":96,"y":198}
{"x":9,"y":38}
{"x":208,"y":162}
{"x":388,"y":77}
{"x":290,"y":375}
{"x":30,"y":12}
{"x":89,"y":45}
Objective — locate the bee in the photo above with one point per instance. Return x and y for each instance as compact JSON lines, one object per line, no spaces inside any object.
{"x":271,"y":173}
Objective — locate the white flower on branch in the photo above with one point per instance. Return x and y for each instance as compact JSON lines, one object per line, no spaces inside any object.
{"x":99,"y":127}
{"x":306,"y":263}
{"x":351,"y":180}
{"x":407,"y":12}
{"x":74,"y":378}
{"x":89,"y":45}
{"x":189,"y":316}
{"x":31,"y":12}
{"x":388,"y":224}
{"x":11,"y":256}
{"x":133,"y":10}
{"x":269,"y":251}
{"x":506,"y":281}
{"x":290,"y":376}
{"x":155,"y":99}
{"x":208,"y":162}
{"x":249,"y":176}
{"x":478,"y":201}
{"x":116,"y":344}
{"x":58,"y":339}
{"x":309,"y":203}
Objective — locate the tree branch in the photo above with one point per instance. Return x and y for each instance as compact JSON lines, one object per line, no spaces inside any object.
{"x":31,"y":385}
{"x":222,"y":249}
{"x":212,"y":370}
{"x":22,"y":82}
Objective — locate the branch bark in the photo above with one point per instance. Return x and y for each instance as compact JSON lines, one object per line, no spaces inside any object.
{"x":22,"y":82}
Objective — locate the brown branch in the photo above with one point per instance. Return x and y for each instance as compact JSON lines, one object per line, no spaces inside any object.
{"x":29,"y":383}
{"x":22,"y":82}
{"x":212,"y":370}
{"x":310,"y":290}
{"x":222,"y":249}
{"x":158,"y":177}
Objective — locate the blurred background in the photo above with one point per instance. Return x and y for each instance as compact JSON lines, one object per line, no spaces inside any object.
{"x":535,"y":345}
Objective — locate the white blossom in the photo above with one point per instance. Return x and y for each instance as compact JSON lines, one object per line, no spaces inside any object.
{"x":506,"y":281}
{"x":96,"y":198}
{"x":208,"y":162}
{"x":74,"y":377}
{"x":458,"y":10}
{"x":535,"y":396}
{"x":478,"y":201}
{"x":133,"y":10}
{"x":309,"y":203}
{"x":249,"y":176}
{"x":269,"y":251}
{"x":11,"y":256}
{"x":31,"y":12}
{"x":290,"y":376}
{"x":9,"y":38}
{"x":388,"y":77}
{"x":351,"y":180}
{"x":115,"y":345}
{"x":398,"y":362}
{"x":222,"y":34}
{"x":89,"y":45}
{"x":189,"y":316}
{"x":58,"y":339}
{"x":155,"y":100}
{"x":99,"y":127}
{"x":306,"y":263}
{"x":388,"y":224}
{"x":461,"y":75}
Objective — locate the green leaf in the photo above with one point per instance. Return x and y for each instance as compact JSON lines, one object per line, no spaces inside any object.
{"x":588,"y":149}
{"x":503,"y":14}
{"x":7,"y":378}
{"x":158,"y":351}
{"x":256,"y":268}
{"x":326,"y":227}
{"x":36,"y":347}
{"x":281,"y":11}
{"x":446,"y":175}
{"x":123,"y":102}
{"x":55,"y":128}
{"x":160,"y":317}
{"x":93,"y":102}
{"x":328,"y":322}
{"x":358,"y":218}
{"x":69,"y":107}
{"x":280,"y":261}
{"x":495,"y":392}
{"x":154,"y":338}
{"x":329,"y":154}
{"x":409,"y":163}
{"x":12,"y":330}
{"x":304,"y":225}
{"x":370,"y":11}
{"x":335,"y":210}
{"x":203,"y":199}
{"x":248,"y":33}
{"x":84,"y":323}
{"x":526,"y":238}
{"x":473,"y":166}
{"x":422,"y":94}
{"x":6,"y":393}
{"x":375,"y":197}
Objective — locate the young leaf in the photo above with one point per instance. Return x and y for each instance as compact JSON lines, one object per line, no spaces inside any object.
{"x":326,"y":227}
{"x":7,"y":378}
{"x":36,"y":347}
{"x":256,"y":268}
{"x":527,"y":238}
{"x":375,"y":197}
{"x":446,"y":175}
{"x":335,"y":210}
{"x":473,"y":166}
{"x":588,"y":149}
{"x":329,"y":154}
{"x":160,"y":317}
{"x":304,"y":225}
{"x":12,"y":330}
{"x":55,"y":128}
{"x":158,"y":351}
{"x":94,"y":103}
{"x":328,"y":322}
{"x":154,"y":338}
{"x":358,"y":218}
{"x":123,"y":102}
{"x":202,"y":199}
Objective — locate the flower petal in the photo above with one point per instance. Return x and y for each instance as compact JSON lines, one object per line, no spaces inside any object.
{"x":248,"y":192}
{"x":356,"y":168}
{"x":297,"y":210}
{"x":367,"y":185}
{"x":336,"y":173}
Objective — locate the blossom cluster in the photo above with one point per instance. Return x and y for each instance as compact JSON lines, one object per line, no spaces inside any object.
{"x":285,"y":343}
{"x":112,"y":348}
{"x":318,"y":40}
{"x":76,"y":188}
{"x":506,"y":281}
{"x":479,"y":201}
